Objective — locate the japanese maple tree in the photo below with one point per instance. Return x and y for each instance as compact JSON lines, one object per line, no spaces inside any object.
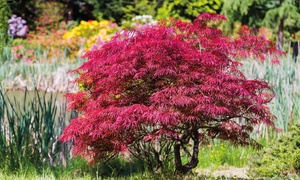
{"x":168,"y":88}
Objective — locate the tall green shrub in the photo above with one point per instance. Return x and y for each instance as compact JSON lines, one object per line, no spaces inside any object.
{"x":5,"y":14}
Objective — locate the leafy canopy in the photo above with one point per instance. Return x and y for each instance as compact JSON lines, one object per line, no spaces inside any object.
{"x":122,"y":10}
{"x":175,"y":82}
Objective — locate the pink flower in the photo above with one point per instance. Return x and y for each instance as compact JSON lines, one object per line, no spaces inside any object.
{"x":17,"y":55}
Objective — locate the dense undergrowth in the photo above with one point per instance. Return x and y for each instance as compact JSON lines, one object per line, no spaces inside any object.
{"x":281,"y":159}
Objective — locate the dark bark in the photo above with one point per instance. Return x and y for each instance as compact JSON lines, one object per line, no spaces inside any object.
{"x":183,"y":169}
{"x":177,"y":157}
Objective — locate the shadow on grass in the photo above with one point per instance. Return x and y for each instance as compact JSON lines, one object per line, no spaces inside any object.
{"x":115,"y":168}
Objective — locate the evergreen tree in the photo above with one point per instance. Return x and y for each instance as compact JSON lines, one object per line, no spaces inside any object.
{"x":279,"y":15}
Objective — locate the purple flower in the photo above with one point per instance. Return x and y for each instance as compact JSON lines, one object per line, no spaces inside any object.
{"x":22,"y":32}
{"x":17,"y":26}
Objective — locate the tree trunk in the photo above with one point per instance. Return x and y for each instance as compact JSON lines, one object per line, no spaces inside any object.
{"x":280,"y":29}
{"x":159,"y":162}
{"x":280,"y":34}
{"x":177,"y":158}
{"x":183,"y":169}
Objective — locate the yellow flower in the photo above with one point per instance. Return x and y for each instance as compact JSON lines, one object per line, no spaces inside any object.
{"x":72,"y":55}
{"x":82,"y":23}
{"x":92,"y":31}
{"x":66,"y":35}
{"x":104,"y":23}
{"x":94,"y":23}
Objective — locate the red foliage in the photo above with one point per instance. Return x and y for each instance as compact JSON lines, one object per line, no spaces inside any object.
{"x":180,"y":80}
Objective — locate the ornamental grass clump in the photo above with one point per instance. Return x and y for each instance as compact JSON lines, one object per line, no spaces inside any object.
{"x":286,"y":105}
{"x":29,"y":131}
{"x":159,"y":92}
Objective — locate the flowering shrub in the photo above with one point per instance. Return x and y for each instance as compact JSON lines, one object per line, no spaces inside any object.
{"x":17,"y":26}
{"x":158,"y":89}
{"x":140,"y":21}
{"x":91,"y":31}
{"x":52,"y":43}
{"x":46,"y":36}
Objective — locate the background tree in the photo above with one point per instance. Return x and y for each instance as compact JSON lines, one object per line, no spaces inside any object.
{"x":78,"y":10}
{"x":176,"y":84}
{"x":109,"y":9}
{"x":35,"y":11}
{"x":118,"y":10}
{"x":279,"y":15}
{"x":283,"y":15}
{"x":187,"y":9}
{"x":141,"y":7}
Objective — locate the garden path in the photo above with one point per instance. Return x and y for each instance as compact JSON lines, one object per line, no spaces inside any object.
{"x":228,"y":172}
